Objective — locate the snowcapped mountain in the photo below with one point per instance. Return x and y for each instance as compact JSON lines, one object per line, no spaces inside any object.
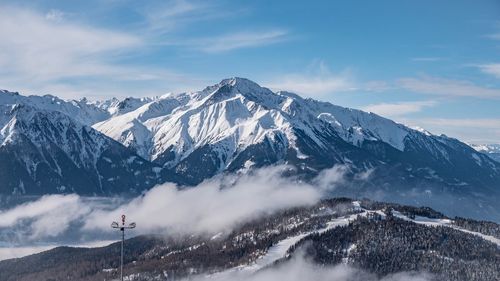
{"x":43,"y":150}
{"x":115,"y":106}
{"x":81,"y":111}
{"x":237,"y":125}
{"x":237,"y":114}
{"x":492,"y":150}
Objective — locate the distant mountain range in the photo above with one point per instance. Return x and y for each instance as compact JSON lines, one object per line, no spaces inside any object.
{"x":492,"y":150}
{"x":48,"y":145}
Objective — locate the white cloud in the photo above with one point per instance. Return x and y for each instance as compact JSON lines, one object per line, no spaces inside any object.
{"x":312,"y":86}
{"x":447,"y":87}
{"x":399,"y":108}
{"x":39,"y":54}
{"x":316,"y":81}
{"x":161,"y":20}
{"x":48,"y":216}
{"x":48,"y":53}
{"x":493,"y":36}
{"x":480,"y":130}
{"x":377,"y":86}
{"x":215,"y":205}
{"x":165,"y":17}
{"x":328,"y":179}
{"x":461,"y":122}
{"x":35,"y":48}
{"x":299,"y":269}
{"x":491,"y":69}
{"x":239,"y":40}
{"x":55,"y":15}
{"x":207,"y":208}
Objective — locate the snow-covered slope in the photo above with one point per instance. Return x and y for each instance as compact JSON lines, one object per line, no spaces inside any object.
{"x":115,"y":106}
{"x":230,"y":121}
{"x":82,"y":111}
{"x":44,"y":151}
{"x":236,"y":114}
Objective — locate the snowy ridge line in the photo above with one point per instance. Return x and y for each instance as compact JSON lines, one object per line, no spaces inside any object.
{"x":279,"y":250}
{"x":446,"y":223}
{"x":486,"y":148}
{"x":235,"y":114}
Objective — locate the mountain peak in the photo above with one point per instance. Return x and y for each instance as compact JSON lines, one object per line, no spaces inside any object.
{"x":243,"y":85}
{"x":7,"y":92}
{"x":239,"y":81}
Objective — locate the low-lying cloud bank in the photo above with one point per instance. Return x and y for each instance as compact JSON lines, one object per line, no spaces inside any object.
{"x":215,"y":205}
{"x":300,"y":269}
{"x":208,"y":207}
{"x":47,"y":217}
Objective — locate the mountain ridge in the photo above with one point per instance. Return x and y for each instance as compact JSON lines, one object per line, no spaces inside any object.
{"x":237,"y":125}
{"x":45,"y":152}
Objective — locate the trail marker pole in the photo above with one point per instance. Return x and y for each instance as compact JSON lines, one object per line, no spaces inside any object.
{"x":122,"y":228}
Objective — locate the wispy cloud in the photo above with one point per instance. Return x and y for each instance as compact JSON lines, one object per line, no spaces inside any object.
{"x":45,"y":216}
{"x":37,"y":51}
{"x":472,"y":130}
{"x":482,"y":123}
{"x":47,"y":52}
{"x":491,"y":69}
{"x":300,"y":268}
{"x":41,"y":54}
{"x":493,"y":36}
{"x":238,"y":40}
{"x":312,"y":85}
{"x":399,"y":108}
{"x":447,"y":87}
{"x":170,"y":14}
{"x":55,"y":15}
{"x":40,"y":49}
{"x":316,"y":81}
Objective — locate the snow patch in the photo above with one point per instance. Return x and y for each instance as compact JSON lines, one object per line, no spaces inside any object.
{"x":446,"y":223}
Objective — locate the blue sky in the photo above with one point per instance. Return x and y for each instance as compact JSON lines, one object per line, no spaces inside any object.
{"x":433,"y":64}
